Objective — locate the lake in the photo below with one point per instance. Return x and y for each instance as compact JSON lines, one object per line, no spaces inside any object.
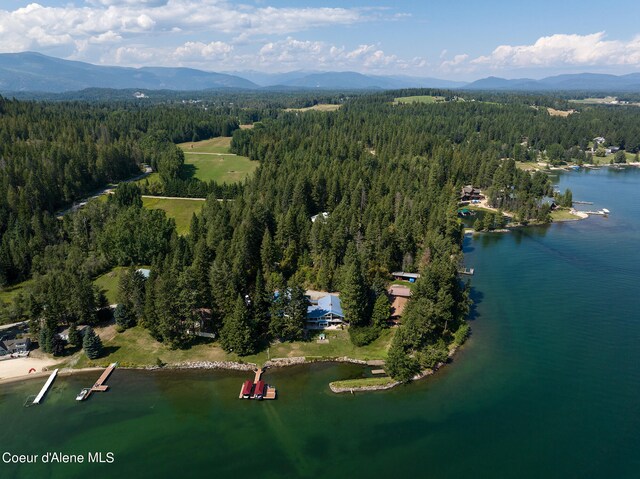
{"x":547,"y":386}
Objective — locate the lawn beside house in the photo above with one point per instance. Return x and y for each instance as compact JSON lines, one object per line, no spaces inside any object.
{"x":136,"y":348}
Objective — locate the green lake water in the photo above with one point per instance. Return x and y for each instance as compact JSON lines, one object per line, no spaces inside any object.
{"x":548,"y":385}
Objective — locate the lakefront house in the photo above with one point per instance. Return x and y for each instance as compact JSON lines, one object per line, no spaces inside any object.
{"x":325,"y":313}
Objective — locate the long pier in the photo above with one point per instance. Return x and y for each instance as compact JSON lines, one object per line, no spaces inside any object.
{"x":100,"y":385}
{"x":45,"y":388}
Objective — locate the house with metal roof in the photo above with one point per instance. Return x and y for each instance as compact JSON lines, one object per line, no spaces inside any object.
{"x":402,"y":276}
{"x":325,"y":313}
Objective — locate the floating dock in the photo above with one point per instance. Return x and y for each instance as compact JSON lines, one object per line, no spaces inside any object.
{"x":99,"y":386}
{"x":257,"y":389}
{"x":45,"y":388}
{"x":602,"y":212}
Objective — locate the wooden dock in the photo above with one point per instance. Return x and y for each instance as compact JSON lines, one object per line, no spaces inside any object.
{"x":45,"y":388}
{"x":271,"y":393}
{"x":100,"y":385}
{"x":266,"y":391}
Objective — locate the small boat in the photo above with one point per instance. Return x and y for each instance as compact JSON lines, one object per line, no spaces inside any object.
{"x":82,"y":395}
{"x":605,"y":211}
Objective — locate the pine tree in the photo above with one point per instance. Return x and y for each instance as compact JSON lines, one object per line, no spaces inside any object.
{"x":124,"y":317}
{"x":381,"y":311}
{"x":355,"y":295}
{"x":92,"y":344}
{"x":399,"y":365}
{"x":75,"y":340}
{"x":237,"y":333}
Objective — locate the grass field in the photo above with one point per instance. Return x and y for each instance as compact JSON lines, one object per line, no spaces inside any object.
{"x":420,"y":99}
{"x":136,"y":347}
{"x":362,"y":382}
{"x":318,"y":107}
{"x":563,"y":215}
{"x":108,"y":283}
{"x":211,"y":160}
{"x":8,"y":294}
{"x":219,"y":144}
{"x":181,"y":210}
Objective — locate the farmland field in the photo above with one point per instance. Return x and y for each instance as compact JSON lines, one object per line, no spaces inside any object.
{"x":180,"y":209}
{"x":211,"y":160}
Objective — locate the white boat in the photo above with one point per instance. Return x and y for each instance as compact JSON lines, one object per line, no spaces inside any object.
{"x":605,"y":211}
{"x":82,"y":394}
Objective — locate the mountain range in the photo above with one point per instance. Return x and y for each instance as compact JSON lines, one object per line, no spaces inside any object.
{"x":35,"y":72}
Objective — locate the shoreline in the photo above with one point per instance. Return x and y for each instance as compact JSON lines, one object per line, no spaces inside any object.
{"x":241,"y":366}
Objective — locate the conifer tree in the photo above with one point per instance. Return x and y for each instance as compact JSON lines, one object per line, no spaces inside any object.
{"x":92,"y":344}
{"x":237,"y":334}
{"x":75,"y":340}
{"x":355,"y":295}
{"x":381,"y":311}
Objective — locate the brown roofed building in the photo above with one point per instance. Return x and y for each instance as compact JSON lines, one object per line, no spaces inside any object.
{"x":398,"y":295}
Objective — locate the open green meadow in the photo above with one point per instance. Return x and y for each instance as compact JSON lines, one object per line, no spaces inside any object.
{"x":180,"y":209}
{"x":136,"y":347}
{"x":318,"y":107}
{"x":108,"y":283}
{"x":211,"y":160}
{"x":7,"y":295}
{"x":419,"y":99}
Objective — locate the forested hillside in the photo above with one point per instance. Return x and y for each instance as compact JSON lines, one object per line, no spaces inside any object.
{"x":388,"y":176}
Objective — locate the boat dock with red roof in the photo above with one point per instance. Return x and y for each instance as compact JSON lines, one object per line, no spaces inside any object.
{"x":257,"y":389}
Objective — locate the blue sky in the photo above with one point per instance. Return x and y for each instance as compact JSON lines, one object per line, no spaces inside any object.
{"x":446,"y":39}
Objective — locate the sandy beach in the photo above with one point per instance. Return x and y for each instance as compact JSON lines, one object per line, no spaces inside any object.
{"x":20,"y":367}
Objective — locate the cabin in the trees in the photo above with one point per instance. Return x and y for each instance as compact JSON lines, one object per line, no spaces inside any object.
{"x":203,"y":324}
{"x":325,"y":313}
{"x":469,"y":193}
{"x":64,"y":334}
{"x":398,"y":296}
{"x":14,"y":346}
{"x":402,"y":276}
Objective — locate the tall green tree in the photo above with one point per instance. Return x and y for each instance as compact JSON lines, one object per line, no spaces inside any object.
{"x":238,"y":332}
{"x":92,"y":344}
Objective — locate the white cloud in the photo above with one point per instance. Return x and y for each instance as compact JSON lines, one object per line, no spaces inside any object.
{"x":189,"y":54}
{"x":565,"y":50}
{"x":292,"y":53}
{"x":37,"y":25}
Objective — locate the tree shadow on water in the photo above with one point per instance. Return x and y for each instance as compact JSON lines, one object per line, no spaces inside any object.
{"x":476,"y":297}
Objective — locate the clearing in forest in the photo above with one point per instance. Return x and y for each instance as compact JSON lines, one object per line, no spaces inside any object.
{"x":211,"y":160}
{"x":180,"y":209}
{"x":420,"y":99}
{"x":318,"y":107}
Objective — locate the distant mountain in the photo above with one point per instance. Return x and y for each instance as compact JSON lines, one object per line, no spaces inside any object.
{"x":270,"y":79}
{"x":359,"y":81}
{"x":34,"y":72}
{"x":30,"y":71}
{"x":567,"y":82}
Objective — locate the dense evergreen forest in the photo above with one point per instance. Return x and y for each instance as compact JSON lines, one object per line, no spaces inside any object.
{"x":388,"y":176}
